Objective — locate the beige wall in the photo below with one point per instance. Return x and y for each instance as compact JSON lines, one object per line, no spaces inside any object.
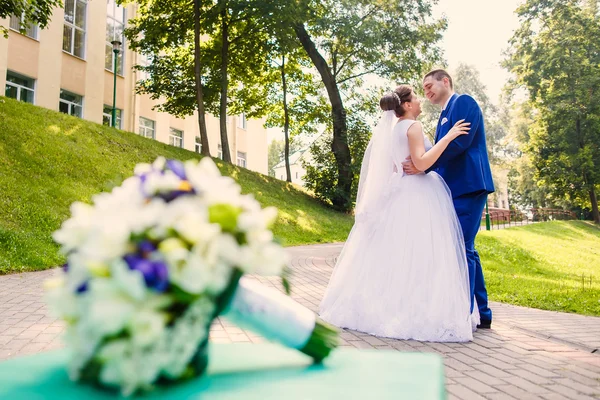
{"x":53,"y":69}
{"x":50,"y":62}
{"x":3,"y":56}
{"x":296,"y":169}
{"x":23,"y":55}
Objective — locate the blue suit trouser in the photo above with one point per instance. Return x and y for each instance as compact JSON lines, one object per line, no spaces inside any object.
{"x":469,"y":209}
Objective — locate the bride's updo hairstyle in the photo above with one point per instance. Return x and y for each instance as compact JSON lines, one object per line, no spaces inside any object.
{"x":393,"y":101}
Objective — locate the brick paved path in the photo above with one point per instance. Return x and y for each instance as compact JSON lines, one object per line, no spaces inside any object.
{"x":529,"y":354}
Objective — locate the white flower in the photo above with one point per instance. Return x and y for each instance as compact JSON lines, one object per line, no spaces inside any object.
{"x":74,"y":231}
{"x":107,"y":240}
{"x":189,"y":217}
{"x":161,"y":182}
{"x":146,"y":327}
{"x":174,"y":252}
{"x":147,"y":216}
{"x":108,"y":309}
{"x":206,"y":179}
{"x":159,"y":163}
{"x":100,"y":296}
{"x":192,"y":274}
{"x":130,"y":282}
{"x":267,"y":259}
{"x":257,"y":220}
{"x":183,"y":339}
{"x":83,"y":346}
{"x":62,"y":302}
{"x":141,"y":169}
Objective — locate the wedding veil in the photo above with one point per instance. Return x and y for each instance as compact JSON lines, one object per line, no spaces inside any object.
{"x":377,"y":166}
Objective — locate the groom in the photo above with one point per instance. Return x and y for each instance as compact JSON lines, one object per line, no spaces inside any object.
{"x":465,"y":167}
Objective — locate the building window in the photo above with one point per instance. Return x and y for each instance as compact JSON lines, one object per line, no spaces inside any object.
{"x":175,"y":137}
{"x":107,"y":116}
{"x":220,"y":152}
{"x":16,"y":23}
{"x":115,"y":24}
{"x":19,"y":87}
{"x":503,"y":204}
{"x":74,"y":28}
{"x":243,"y":121}
{"x":241,"y":159}
{"x":146,"y":128}
{"x":296,"y":175}
{"x":198,"y":145}
{"x":70,"y":103}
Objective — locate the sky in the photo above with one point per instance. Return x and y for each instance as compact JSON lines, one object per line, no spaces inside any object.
{"x":478,"y":32}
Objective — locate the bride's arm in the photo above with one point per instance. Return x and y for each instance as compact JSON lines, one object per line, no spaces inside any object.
{"x":424,"y":159}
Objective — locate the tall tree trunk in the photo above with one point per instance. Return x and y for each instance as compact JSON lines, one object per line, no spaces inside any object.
{"x":224,"y":83}
{"x":339,"y":146}
{"x":286,"y":122}
{"x":594,"y":201}
{"x":205,"y":150}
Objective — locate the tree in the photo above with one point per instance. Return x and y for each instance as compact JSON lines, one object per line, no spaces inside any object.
{"x":34,"y":12}
{"x":165,"y":33}
{"x":240,"y":47}
{"x":523,"y":190}
{"x":206,"y":56}
{"x":204,"y":147}
{"x":349,"y":39}
{"x":296,"y":103}
{"x":556,"y":57}
{"x":321,"y":171}
{"x":275,"y":155}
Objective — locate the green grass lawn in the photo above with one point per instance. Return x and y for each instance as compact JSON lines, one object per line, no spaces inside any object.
{"x":49,"y":160}
{"x":549,"y":265}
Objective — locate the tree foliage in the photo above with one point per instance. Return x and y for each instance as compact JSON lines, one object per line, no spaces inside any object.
{"x":555,"y":55}
{"x":34,"y":12}
{"x":232,"y":58}
{"x":350,"y":39}
{"x":321,"y":172}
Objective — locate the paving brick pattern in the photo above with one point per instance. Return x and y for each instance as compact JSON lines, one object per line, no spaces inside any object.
{"x":529,"y":354}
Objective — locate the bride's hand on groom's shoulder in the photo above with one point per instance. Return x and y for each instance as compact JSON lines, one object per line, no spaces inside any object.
{"x":460,"y":128}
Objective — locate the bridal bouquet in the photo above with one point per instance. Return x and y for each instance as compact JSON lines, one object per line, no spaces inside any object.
{"x":152,"y":264}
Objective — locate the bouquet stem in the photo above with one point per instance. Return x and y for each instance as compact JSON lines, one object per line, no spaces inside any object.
{"x":323,"y":339}
{"x":279,"y":318}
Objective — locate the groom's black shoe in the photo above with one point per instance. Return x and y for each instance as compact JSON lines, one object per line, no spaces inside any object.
{"x":485,"y":324}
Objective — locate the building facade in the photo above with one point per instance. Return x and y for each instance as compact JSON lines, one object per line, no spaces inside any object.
{"x":297,"y":169}
{"x":69,"y":67}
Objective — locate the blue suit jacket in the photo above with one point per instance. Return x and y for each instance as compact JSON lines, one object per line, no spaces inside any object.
{"x":464,"y":164}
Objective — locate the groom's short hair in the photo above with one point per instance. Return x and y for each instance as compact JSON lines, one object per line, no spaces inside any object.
{"x":438,"y":75}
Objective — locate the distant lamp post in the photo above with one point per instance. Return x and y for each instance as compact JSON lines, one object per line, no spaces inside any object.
{"x":487,"y":217}
{"x":116,"y":49}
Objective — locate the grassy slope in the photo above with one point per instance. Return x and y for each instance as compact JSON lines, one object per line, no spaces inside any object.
{"x":547,"y":265}
{"x":49,"y":160}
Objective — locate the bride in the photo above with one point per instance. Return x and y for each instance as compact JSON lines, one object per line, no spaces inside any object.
{"x":403,"y":271}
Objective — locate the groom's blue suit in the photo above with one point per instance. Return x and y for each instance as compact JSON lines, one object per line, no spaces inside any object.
{"x":465,"y":167}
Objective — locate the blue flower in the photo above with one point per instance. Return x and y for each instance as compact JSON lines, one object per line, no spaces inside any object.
{"x":177,"y":167}
{"x":83,"y":287}
{"x":155,"y":272}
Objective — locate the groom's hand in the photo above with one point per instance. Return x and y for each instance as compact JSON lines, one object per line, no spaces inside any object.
{"x":409,"y":168}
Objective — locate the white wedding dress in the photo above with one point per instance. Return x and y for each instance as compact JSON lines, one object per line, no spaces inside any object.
{"x":403,"y":271}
